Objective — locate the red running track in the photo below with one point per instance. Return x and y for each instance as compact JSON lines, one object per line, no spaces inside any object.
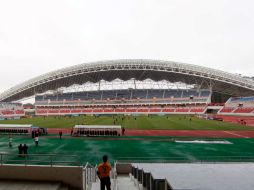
{"x":248,"y":120}
{"x":57,"y":130}
{"x":176,"y":133}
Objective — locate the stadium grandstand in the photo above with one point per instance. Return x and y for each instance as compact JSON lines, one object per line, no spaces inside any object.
{"x":138,"y":69}
{"x":100,"y":100}
{"x":239,"y":106}
{"x":11,"y":110}
{"x":127,"y":101}
{"x":135,"y":87}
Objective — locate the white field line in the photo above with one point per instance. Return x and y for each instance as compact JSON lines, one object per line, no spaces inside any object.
{"x":235,"y":134}
{"x":205,"y":142}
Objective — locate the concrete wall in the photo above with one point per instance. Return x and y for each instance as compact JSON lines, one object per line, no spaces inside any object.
{"x":72,"y":176}
{"x":122,"y":168}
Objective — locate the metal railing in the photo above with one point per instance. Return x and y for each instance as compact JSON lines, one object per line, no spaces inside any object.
{"x":198,"y":159}
{"x":89,"y":176}
{"x":147,"y":180}
{"x":114,"y":177}
{"x":40,"y":159}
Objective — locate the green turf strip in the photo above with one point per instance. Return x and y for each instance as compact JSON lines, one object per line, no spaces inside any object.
{"x":174,"y":122}
{"x":154,"y":149}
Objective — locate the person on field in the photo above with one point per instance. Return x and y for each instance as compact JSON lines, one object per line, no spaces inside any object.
{"x":60,"y":134}
{"x":20,"y":148}
{"x":25,"y":148}
{"x":36,"y":140}
{"x":10,"y":141}
{"x":36,"y":134}
{"x":123,"y":131}
{"x":103,"y":172}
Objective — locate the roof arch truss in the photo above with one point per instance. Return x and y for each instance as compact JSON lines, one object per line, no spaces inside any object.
{"x":137,"y":68}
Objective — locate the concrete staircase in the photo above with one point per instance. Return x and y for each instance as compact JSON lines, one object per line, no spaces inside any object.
{"x":124,"y":182}
{"x":26,"y":185}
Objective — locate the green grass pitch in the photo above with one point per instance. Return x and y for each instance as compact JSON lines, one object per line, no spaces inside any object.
{"x":128,"y":148}
{"x":174,"y":122}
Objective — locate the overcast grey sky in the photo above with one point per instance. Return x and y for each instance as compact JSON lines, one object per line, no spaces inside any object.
{"x":40,"y":36}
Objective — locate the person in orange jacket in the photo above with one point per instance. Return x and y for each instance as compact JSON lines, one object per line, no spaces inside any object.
{"x":103,"y":173}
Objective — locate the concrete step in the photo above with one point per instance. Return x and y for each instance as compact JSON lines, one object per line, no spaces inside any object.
{"x":64,"y":187}
{"x":25,"y":185}
{"x":96,"y":186}
{"x":125,"y":183}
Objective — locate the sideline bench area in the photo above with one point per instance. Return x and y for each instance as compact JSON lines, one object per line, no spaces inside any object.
{"x":97,"y":130}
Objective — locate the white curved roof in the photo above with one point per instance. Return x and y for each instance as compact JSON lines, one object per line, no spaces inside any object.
{"x":131,"y":68}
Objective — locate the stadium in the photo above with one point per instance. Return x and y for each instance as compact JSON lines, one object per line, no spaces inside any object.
{"x":144,"y":114}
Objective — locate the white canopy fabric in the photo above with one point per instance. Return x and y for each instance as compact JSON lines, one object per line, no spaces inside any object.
{"x":97,"y":127}
{"x":15,"y":126}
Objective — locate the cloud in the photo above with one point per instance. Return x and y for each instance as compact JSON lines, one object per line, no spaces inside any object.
{"x":40,"y":36}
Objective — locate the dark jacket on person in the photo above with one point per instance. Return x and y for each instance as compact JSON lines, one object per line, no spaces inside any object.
{"x":25,"y":148}
{"x":20,"y":147}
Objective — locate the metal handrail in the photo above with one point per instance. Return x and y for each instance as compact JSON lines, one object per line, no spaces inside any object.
{"x":151,"y":180}
{"x":184,"y":157}
{"x":68,"y":155}
{"x":38,"y":158}
{"x":115,"y":187}
{"x":200,"y":159}
{"x":167,"y":184}
{"x":89,"y":175}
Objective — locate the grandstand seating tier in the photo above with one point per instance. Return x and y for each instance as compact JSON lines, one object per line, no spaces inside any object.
{"x":124,"y":95}
{"x":239,"y":105}
{"x":11,"y":110}
{"x":124,"y":101}
{"x":191,"y":109}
